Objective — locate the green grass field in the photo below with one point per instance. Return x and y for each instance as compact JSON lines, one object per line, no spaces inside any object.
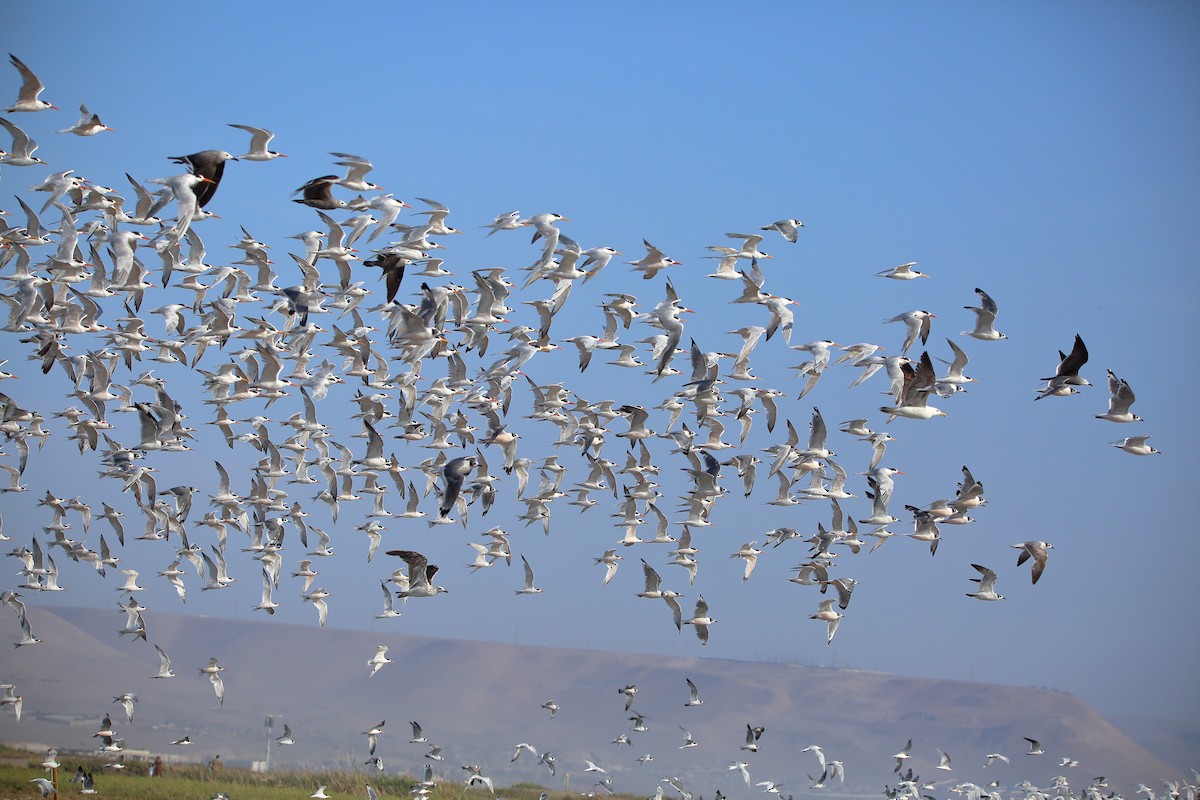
{"x":193,"y":782}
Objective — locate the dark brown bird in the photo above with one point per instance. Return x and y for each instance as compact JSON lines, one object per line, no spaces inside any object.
{"x":318,"y":193}
{"x":209,"y":164}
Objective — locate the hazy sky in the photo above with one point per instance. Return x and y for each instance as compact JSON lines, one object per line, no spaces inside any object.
{"x":1043,"y":152}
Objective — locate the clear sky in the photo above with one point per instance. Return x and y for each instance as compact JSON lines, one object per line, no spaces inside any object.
{"x":1043,"y":152}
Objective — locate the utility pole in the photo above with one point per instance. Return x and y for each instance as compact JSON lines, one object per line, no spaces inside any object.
{"x":270,"y":724}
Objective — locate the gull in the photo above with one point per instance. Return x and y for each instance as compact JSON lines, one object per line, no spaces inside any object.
{"x":417,"y":737}
{"x":591,"y":767}
{"x":753,"y":734}
{"x":913,"y":396}
{"x":787,"y":228}
{"x":832,"y":618}
{"x":380,"y":658}
{"x":771,"y":786}
{"x":1035,"y":747}
{"x":522,"y":747}
{"x":629,"y":690}
{"x":1136,"y":445}
{"x":1119,"y":402}
{"x":985,"y":319}
{"x":46,"y":787}
{"x":904,"y":272}
{"x":286,"y":739}
{"x":528,"y":588}
{"x":1066,"y":376}
{"x":943,"y":760}
{"x":740,"y":766}
{"x":475,"y":775}
{"x":319,"y":794}
{"x":318,"y":193}
{"x":127,"y":700}
{"x":992,"y":758}
{"x":551,"y":706}
{"x":917,"y":324}
{"x":209,"y":165}
{"x":11,"y":698}
{"x":89,"y":124}
{"x":454,"y":472}
{"x":987,"y":585}
{"x":420,"y":575}
{"x":27,"y":97}
{"x":1037,"y":551}
{"x":954,"y":379}
{"x":700,"y":620}
{"x":902,"y":756}
{"x":259,"y":139}
{"x":693,"y":694}
{"x":688,"y":741}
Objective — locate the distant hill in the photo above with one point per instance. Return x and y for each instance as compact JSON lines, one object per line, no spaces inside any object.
{"x":477,"y":700}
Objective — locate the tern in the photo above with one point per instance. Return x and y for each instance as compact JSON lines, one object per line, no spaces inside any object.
{"x":31,"y":87}
{"x":420,"y":575}
{"x":89,"y":124}
{"x":209,"y":165}
{"x":903,"y":272}
{"x":259,"y":139}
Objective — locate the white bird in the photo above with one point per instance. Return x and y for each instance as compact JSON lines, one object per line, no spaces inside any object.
{"x":528,"y":588}
{"x":1136,"y":445}
{"x":1121,"y":398}
{"x":701,"y":620}
{"x":380,"y":659}
{"x":903,"y":272}
{"x":31,"y":87}
{"x":89,"y":124}
{"x":985,"y":319}
{"x":259,"y":139}
{"x":693,"y":694}
{"x":787,"y":228}
{"x":420,"y":575}
{"x":987,"y":585}
{"x":832,"y":618}
{"x":917,"y":325}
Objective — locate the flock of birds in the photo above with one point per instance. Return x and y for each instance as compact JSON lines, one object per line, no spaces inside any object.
{"x":119,"y":299}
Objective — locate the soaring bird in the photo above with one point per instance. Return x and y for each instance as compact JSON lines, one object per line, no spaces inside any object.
{"x":209,"y":165}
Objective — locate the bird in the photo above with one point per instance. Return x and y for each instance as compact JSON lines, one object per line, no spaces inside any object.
{"x":1066,"y":376}
{"x":209,"y":166}
{"x":455,"y":471}
{"x":372,"y":735}
{"x":985,"y":319}
{"x":380,"y":659}
{"x":89,"y":124}
{"x":987,"y":584}
{"x":318,"y":193}
{"x":693,"y":694}
{"x":787,"y":228}
{"x":1120,"y":399}
{"x":903,"y":272}
{"x":259,"y":139}
{"x":20,"y":152}
{"x":832,"y":618}
{"x":528,"y":588}
{"x":917,"y":325}
{"x":1037,"y":551}
{"x":420,"y":575}
{"x":1136,"y":445}
{"x":286,"y":738}
{"x":1035,"y":747}
{"x":28,"y":96}
{"x":700,"y":620}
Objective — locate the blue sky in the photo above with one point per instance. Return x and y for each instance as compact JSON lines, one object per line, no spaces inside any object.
{"x":1045,"y":153}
